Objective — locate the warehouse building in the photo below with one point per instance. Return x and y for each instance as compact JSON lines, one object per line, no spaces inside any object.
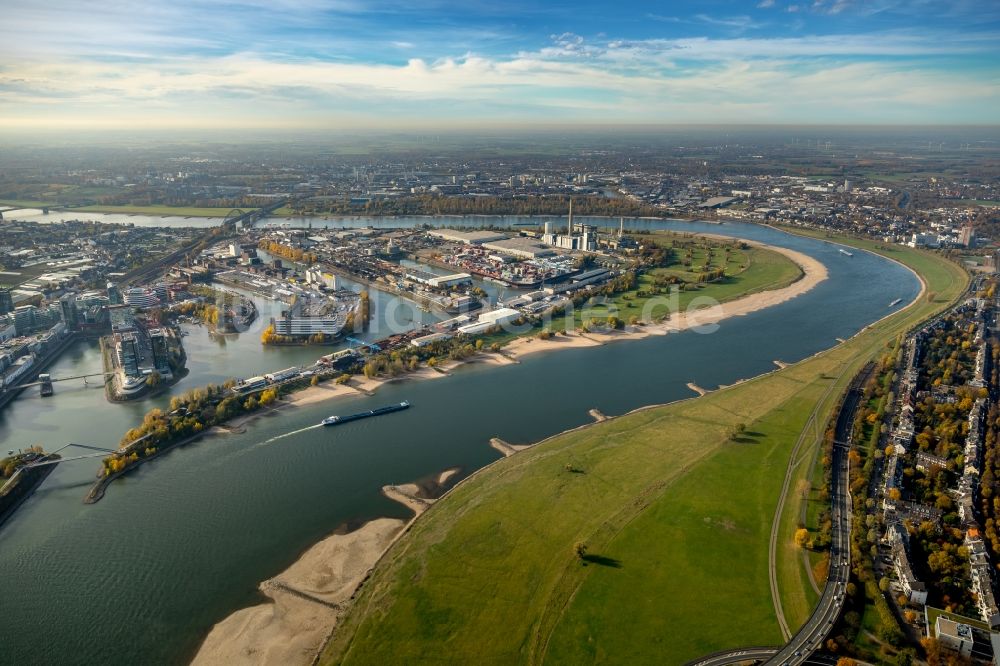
{"x":437,"y":281}
{"x":488,"y":320}
{"x":521,"y":247}
{"x":467,"y":237}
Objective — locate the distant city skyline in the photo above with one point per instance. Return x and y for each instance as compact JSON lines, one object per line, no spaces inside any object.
{"x":277,"y":64}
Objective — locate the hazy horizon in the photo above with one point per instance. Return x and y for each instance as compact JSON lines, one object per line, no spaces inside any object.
{"x":397,"y":64}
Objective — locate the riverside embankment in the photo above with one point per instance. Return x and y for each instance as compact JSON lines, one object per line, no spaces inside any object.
{"x":273,"y":494}
{"x":813,"y":273}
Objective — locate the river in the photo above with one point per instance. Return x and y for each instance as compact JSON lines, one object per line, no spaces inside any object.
{"x":183,"y":541}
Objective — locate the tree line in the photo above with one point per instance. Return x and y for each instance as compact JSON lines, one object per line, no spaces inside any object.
{"x":436,"y":204}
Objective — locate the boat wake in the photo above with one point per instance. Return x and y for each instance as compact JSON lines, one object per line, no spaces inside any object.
{"x":288,"y":434}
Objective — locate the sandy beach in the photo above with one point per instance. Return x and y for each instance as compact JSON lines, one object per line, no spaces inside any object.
{"x":306,"y":598}
{"x":813,"y":271}
{"x":507,"y":449}
{"x":293,"y":626}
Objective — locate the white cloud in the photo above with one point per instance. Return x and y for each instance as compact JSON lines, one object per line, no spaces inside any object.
{"x":825,"y":78}
{"x":527,"y":85}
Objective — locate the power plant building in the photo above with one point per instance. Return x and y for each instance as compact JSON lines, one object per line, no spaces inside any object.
{"x":578,"y":237}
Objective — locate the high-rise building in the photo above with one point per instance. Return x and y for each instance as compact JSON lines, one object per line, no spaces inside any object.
{"x":67,"y":307}
{"x":966,"y":236}
{"x":6,"y":301}
{"x":24,"y":319}
{"x":158,"y":344}
{"x":128,"y":353}
{"x":115,"y":294}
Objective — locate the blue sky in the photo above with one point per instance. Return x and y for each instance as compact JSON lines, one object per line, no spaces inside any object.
{"x":402,"y":63}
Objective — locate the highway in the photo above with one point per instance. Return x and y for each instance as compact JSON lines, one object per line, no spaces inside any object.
{"x":761,"y":653}
{"x":756,"y":654}
{"x":809,"y":639}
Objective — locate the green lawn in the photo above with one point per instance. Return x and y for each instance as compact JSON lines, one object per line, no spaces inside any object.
{"x":23,"y":203}
{"x":749,"y":271}
{"x":757,"y":269}
{"x":676,"y":515}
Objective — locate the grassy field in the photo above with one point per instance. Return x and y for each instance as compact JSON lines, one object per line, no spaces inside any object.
{"x":748,"y":271}
{"x":676,"y":517}
{"x":943,"y":280}
{"x":757,"y":269}
{"x":23,"y":203}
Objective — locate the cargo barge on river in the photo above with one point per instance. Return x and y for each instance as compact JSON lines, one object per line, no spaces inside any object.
{"x":337,"y":420}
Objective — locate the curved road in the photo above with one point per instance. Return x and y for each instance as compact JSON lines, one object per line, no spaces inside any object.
{"x":809,"y":638}
{"x":793,"y":461}
{"x":759,"y":654}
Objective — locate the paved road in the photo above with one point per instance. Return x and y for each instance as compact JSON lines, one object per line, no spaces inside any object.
{"x":808,"y":640}
{"x":772,"y":548}
{"x":759,"y":654}
{"x":810,"y":637}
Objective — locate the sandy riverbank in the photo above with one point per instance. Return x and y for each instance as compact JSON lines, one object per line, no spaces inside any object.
{"x":306,"y":598}
{"x":361,"y":385}
{"x":813,"y":273}
{"x":293,"y":626}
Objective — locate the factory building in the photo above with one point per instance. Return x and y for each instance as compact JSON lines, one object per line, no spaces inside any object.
{"x":437,"y":281}
{"x":467,"y":237}
{"x":521,"y":247}
{"x":320,"y":278}
{"x":488,"y":320}
{"x":425,"y":340}
{"x":578,"y":237}
{"x":447,"y":281}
